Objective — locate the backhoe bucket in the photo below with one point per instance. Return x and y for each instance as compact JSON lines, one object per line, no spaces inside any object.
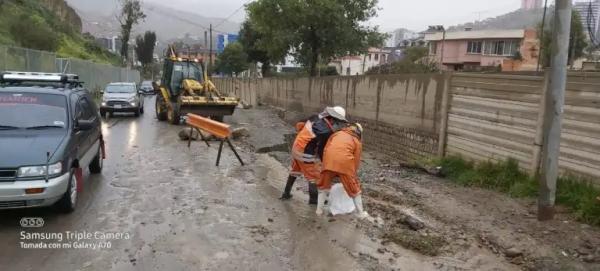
{"x":208,"y":107}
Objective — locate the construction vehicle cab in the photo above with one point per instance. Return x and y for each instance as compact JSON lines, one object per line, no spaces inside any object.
{"x":185,"y":88}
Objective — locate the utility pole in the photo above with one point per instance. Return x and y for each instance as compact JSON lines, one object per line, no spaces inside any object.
{"x":540,"y":55}
{"x":554,"y":103}
{"x":205,"y":39}
{"x":210,"y":51}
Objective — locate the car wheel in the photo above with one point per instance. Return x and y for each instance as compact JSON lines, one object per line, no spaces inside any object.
{"x":97,"y":163}
{"x":136,"y":112}
{"x":68,"y":202}
{"x":142,"y":110}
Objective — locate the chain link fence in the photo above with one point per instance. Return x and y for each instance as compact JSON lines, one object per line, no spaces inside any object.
{"x":95,"y":76}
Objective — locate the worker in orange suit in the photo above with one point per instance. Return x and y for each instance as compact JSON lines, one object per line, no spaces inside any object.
{"x":308,"y":148}
{"x":341,"y":160}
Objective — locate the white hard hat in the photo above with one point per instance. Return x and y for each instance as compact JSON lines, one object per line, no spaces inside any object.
{"x":337,"y":112}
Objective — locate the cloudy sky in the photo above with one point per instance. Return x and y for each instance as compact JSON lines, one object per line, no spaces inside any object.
{"x":411,"y":14}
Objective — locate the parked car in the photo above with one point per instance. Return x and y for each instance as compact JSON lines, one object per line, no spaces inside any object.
{"x":147,"y":88}
{"x":122,"y":97}
{"x":49,"y":128}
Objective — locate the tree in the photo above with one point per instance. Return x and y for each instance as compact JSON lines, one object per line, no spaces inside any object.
{"x":232,"y":60}
{"x":314,"y":31}
{"x":144,"y":48}
{"x":249,"y":39}
{"x":415,"y":53}
{"x":414,"y":60}
{"x":131,"y":14}
{"x":577,"y":41}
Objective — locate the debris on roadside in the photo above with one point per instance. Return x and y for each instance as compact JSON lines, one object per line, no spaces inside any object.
{"x":513,"y":252}
{"x":245,"y":105}
{"x":184,"y":134}
{"x":413,"y":223}
{"x":240,"y":132}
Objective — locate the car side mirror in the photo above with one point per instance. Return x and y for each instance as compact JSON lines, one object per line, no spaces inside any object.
{"x":84,"y":125}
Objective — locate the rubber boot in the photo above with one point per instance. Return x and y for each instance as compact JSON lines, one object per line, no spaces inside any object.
{"x":360,"y":212}
{"x":287,"y":192}
{"x":313,"y":193}
{"x":322,"y":197}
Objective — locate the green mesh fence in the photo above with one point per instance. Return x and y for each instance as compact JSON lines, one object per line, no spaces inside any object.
{"x":95,"y":76}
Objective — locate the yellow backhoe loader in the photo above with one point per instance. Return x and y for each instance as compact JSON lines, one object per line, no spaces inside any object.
{"x":186,"y":88}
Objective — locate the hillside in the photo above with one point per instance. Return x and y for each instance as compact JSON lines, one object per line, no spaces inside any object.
{"x":99,"y":18}
{"x":518,"y":19}
{"x":48,"y":25}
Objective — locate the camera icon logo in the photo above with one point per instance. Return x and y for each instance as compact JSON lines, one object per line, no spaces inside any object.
{"x":32,"y":222}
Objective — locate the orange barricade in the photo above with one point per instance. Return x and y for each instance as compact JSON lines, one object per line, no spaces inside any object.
{"x":218,"y":129}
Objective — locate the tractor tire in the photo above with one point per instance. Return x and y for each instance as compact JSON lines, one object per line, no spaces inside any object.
{"x":161,"y":108}
{"x":173,"y":115}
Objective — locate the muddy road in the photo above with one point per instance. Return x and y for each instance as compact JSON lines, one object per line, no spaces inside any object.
{"x":160,"y":206}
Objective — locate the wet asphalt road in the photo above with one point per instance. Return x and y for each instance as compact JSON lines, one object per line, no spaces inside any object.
{"x":160,"y":206}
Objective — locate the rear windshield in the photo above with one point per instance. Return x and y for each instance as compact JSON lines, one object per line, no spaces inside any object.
{"x":120,"y":88}
{"x":32,"y":110}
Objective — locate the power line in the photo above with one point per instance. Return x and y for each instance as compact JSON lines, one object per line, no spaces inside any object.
{"x":186,"y":21}
{"x":233,"y":13}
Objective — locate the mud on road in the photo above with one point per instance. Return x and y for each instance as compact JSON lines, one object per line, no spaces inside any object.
{"x":162,"y":206}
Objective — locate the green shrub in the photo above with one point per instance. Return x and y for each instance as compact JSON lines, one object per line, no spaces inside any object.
{"x":577,"y":194}
{"x":32,"y":31}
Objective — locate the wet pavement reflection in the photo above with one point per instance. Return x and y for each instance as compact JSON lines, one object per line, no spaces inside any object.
{"x":160,"y":206}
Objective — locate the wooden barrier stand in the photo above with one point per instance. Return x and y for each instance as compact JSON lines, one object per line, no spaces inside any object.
{"x":218,"y":129}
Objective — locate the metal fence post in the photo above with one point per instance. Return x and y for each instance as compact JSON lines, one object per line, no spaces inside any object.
{"x":27,"y":60}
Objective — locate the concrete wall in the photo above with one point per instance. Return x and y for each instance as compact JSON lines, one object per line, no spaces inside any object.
{"x":494,"y":117}
{"x":481,"y":117}
{"x":400,"y":112}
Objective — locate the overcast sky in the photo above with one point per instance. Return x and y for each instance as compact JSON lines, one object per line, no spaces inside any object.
{"x":412,"y":14}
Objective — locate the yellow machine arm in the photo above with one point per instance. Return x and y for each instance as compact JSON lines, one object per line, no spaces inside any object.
{"x":195,"y":88}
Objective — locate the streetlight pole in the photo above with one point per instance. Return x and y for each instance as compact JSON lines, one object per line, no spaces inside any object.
{"x":554,"y":102}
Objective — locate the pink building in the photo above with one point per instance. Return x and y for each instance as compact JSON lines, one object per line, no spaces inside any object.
{"x":474,"y":50}
{"x":531,"y":4}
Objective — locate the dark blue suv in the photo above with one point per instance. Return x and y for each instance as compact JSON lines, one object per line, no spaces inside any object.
{"x":50,"y":129}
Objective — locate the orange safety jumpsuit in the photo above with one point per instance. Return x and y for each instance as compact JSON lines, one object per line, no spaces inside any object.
{"x":342,"y":159}
{"x":305,"y":153}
